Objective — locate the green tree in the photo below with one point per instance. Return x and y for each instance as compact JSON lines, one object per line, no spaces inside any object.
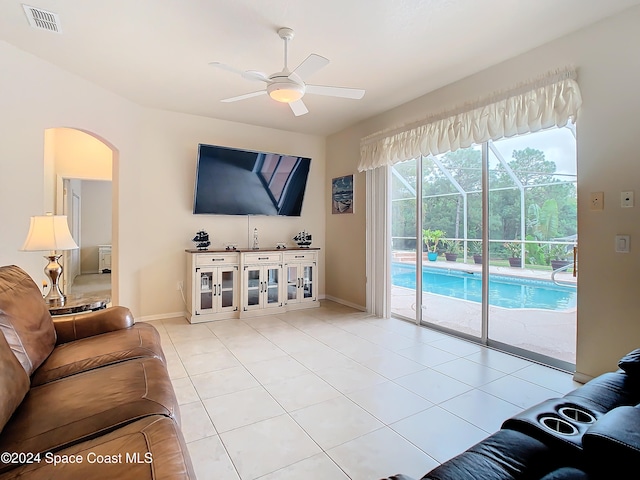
{"x":531,"y":167}
{"x":403,"y":205}
{"x":442,"y":201}
{"x":546,"y":227}
{"x":550,"y":204}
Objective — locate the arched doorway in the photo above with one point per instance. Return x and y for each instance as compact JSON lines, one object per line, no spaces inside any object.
{"x":79,"y":181}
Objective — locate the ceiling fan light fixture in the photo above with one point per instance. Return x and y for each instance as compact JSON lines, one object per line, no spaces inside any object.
{"x":285,"y":92}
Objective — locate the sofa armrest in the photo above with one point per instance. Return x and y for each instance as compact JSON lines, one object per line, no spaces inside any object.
{"x":73,"y":327}
{"x":614,"y":440}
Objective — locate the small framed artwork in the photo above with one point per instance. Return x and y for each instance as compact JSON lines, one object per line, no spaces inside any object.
{"x":342,"y":194}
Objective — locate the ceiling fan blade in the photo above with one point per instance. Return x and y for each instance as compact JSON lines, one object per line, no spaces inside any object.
{"x":242,"y":97}
{"x":343,"y":92}
{"x":310,"y":65}
{"x":298,"y":108}
{"x":226,"y":67}
{"x":247,"y":75}
{"x":255,"y":75}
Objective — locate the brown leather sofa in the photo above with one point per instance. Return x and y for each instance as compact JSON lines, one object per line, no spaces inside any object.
{"x":84,"y":396}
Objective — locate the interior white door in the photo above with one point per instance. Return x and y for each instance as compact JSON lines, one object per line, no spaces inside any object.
{"x":75,"y":233}
{"x":70,"y":206}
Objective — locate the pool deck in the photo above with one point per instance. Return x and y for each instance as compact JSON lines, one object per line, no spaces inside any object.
{"x":547,"y":332}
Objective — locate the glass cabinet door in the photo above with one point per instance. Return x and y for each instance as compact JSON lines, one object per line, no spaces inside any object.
{"x":292,"y":282}
{"x":307,"y":281}
{"x":253,"y":286}
{"x":226,"y":288}
{"x":206,"y":290}
{"x":272,"y":285}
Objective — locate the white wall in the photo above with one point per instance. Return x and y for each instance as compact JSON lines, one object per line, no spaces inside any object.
{"x":154,"y":154}
{"x":608,"y":160}
{"x":166,"y":180}
{"x":36,"y":96}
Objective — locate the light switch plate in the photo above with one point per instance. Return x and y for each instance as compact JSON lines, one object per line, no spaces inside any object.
{"x":622,"y":243}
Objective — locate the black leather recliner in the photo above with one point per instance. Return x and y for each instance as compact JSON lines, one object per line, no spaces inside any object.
{"x":591,"y":433}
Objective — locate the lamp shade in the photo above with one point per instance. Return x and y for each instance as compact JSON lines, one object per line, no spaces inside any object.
{"x":49,"y":232}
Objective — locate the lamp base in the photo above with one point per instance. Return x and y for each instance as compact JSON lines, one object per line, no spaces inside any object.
{"x":53,"y":270}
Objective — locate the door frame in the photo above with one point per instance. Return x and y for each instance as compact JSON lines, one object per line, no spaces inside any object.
{"x":62,"y":207}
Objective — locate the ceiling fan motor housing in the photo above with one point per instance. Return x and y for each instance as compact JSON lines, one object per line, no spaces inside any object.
{"x":284,"y":89}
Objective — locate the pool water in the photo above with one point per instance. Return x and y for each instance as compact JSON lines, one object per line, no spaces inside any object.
{"x":504,"y":291}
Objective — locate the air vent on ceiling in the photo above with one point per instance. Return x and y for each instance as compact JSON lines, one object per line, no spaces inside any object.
{"x":42,"y":19}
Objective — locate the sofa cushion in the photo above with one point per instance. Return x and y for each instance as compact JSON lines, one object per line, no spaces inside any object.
{"x":606,"y":392}
{"x":150,"y":448}
{"x":24,"y":318}
{"x":59,"y":414}
{"x":505,"y":455}
{"x":14,"y":383}
{"x":630,"y":363}
{"x":139,"y":341}
{"x":612,"y":444}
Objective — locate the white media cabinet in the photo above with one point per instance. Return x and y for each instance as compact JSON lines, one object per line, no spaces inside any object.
{"x":223,"y":284}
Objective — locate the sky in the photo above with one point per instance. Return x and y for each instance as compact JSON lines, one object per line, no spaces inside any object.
{"x":558,"y":145}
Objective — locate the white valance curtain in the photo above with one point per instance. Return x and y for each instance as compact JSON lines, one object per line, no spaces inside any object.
{"x":546,"y":102}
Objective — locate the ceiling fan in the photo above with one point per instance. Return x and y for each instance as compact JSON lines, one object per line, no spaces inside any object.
{"x":288,"y":86}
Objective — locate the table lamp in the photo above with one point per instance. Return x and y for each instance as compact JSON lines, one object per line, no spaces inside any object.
{"x":50,"y":232}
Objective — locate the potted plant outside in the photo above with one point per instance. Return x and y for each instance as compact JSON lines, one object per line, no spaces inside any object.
{"x":559,"y":256}
{"x":452,"y":250}
{"x":475,"y":249}
{"x":431,"y":239}
{"x":515,"y":251}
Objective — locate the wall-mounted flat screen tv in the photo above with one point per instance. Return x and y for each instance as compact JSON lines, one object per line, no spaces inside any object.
{"x":241,"y":182}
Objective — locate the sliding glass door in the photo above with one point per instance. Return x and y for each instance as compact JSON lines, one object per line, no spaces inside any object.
{"x":438,"y":255}
{"x":505,"y":213}
{"x":451,"y":227}
{"x":532,"y":236}
{"x":406,"y":249}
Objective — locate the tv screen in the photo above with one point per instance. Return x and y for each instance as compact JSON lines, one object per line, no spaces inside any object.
{"x":242,"y":182}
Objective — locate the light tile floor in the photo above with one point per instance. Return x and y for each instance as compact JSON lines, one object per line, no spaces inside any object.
{"x":333,"y":393}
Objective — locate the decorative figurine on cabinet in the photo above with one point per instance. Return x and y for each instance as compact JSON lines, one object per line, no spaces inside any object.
{"x":303,"y":239}
{"x":256,"y":246}
{"x":201,"y":240}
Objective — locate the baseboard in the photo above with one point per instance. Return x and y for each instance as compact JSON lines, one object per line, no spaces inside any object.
{"x":581,"y":377}
{"x":161,"y":316}
{"x":344,"y":302}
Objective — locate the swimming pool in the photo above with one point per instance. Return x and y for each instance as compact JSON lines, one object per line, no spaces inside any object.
{"x":504,"y":291}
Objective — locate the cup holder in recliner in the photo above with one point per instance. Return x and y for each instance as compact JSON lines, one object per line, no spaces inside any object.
{"x":556,"y":421}
{"x":558,"y":425}
{"x":575,"y":414}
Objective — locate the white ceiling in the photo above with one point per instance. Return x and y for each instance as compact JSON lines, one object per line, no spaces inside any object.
{"x":156,"y":52}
